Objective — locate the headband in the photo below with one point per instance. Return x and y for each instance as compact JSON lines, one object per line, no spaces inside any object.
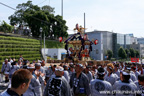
{"x":125,"y":73}
{"x":59,"y":69}
{"x":30,"y":67}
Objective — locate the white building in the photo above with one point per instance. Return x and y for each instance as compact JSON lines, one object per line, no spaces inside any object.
{"x":59,"y":53}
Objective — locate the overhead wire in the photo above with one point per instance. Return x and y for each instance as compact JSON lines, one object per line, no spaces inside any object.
{"x":27,"y":14}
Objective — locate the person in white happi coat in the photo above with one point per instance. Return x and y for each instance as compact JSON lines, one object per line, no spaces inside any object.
{"x":34,"y":86}
{"x":99,"y":85}
{"x":41,"y":77}
{"x":5,"y":70}
{"x":66,"y":73}
{"x":14,"y":67}
{"x":50,"y":71}
{"x":79,"y":82}
{"x":124,"y":87}
{"x":71,"y":69}
{"x":133,"y":71}
{"x":140,"y":85}
{"x":57,"y":85}
{"x":139,"y":68}
{"x":43,"y":70}
{"x":110,"y":76}
{"x":117,"y":70}
{"x":132,"y":75}
{"x":87,"y":71}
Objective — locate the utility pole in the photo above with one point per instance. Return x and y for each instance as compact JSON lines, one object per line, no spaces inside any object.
{"x":84,"y":22}
{"x":62,"y":8}
{"x":44,"y":45}
{"x":41,"y":41}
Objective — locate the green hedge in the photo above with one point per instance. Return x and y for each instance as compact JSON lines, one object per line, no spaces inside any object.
{"x":18,"y":46}
{"x":53,"y":44}
{"x":17,"y":56}
{"x":18,"y":53}
{"x":18,"y":39}
{"x":14,"y":46}
{"x":19,"y":49}
{"x":17,"y":42}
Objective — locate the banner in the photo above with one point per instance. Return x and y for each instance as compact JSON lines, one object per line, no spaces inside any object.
{"x":134,"y":59}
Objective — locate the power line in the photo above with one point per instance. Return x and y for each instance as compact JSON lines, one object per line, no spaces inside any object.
{"x":42,"y":2}
{"x":7,"y":6}
{"x":27,"y":14}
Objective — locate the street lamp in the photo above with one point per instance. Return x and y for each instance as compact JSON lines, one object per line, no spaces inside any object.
{"x":41,"y":40}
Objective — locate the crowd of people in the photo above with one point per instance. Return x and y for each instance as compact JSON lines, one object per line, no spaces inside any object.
{"x":72,"y":79}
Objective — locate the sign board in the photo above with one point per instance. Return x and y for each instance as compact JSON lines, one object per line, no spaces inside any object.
{"x":134,"y":59}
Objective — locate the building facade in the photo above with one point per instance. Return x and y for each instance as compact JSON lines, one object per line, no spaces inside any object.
{"x":140,"y":40}
{"x":109,"y":41}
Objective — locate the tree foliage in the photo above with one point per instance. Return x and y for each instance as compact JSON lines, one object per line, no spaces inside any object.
{"x":109,"y":54}
{"x":121,"y":53}
{"x":132,"y":52}
{"x":35,"y":17}
{"x":127,"y":52}
{"x":137,"y":53}
{"x":4,"y":27}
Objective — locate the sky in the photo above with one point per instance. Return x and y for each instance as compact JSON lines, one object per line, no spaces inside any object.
{"x":119,"y":16}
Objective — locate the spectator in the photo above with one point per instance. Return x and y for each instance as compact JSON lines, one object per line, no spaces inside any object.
{"x":19,"y":84}
{"x":5,"y":69}
{"x":14,"y":67}
{"x":21,"y":58}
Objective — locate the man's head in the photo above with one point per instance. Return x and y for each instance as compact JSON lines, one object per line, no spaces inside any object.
{"x":21,"y":80}
{"x":88,"y":68}
{"x":59,"y":71}
{"x":19,"y":61}
{"x":43,"y":63}
{"x":79,"y":68}
{"x":110,"y":67}
{"x":65,"y":67}
{"x":133,"y":68}
{"x":53,"y":67}
{"x":37,"y":66}
{"x":71,"y":49}
{"x":31,"y":67}
{"x":20,"y":55}
{"x":139,"y":66}
{"x":125,"y":76}
{"x":6,"y":61}
{"x":101,"y":73}
{"x":141,"y":79}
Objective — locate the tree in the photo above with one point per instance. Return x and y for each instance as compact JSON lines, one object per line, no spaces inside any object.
{"x":137,"y":53}
{"x":121,"y":53}
{"x":36,"y":17}
{"x":128,"y":53}
{"x":6,"y":27}
{"x":132,"y":52}
{"x":109,"y":54}
{"x":18,"y":16}
{"x":48,"y":9}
